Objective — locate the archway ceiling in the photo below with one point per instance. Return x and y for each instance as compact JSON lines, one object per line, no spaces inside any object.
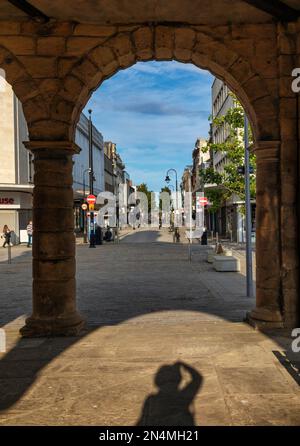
{"x":214,"y":12}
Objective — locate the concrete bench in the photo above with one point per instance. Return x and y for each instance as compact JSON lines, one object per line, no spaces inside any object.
{"x":226,"y":264}
{"x":212,"y":254}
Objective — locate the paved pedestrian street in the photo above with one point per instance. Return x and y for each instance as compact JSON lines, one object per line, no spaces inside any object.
{"x":165,"y":344}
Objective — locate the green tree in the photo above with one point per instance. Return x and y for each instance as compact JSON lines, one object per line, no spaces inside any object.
{"x":144,"y":188}
{"x":229,"y":181}
{"x":164,"y":189}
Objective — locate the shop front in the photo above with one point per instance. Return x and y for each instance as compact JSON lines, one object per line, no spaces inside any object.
{"x":16,"y":210}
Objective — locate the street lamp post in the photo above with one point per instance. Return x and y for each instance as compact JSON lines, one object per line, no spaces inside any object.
{"x":91,"y":177}
{"x":190,"y":214}
{"x":176,"y":184}
{"x":126,"y":178}
{"x":84,"y":212}
{"x":248,"y":212}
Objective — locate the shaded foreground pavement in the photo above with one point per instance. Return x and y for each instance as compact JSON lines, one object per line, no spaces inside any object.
{"x":165,"y":344}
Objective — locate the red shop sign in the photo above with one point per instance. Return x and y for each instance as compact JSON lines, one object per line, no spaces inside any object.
{"x":7,"y":201}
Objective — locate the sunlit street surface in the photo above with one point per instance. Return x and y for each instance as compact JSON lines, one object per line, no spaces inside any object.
{"x":151,"y":309}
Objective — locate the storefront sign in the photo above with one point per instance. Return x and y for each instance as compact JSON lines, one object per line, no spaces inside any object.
{"x":7,"y":200}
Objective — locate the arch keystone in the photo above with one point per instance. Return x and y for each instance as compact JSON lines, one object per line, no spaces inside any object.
{"x":164,"y":43}
{"x":143,"y":41}
{"x":184,"y":42}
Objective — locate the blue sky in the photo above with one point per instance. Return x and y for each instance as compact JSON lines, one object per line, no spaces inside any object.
{"x":154,"y":112}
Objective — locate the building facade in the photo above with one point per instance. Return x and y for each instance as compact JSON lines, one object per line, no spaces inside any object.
{"x":17,"y":166}
{"x":229,"y":220}
{"x":201,"y":160}
{"x":81,"y":167}
{"x":117,"y":181}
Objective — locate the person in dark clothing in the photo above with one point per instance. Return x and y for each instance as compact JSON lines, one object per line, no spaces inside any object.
{"x":204,"y":237}
{"x":108,"y":234}
{"x":98,"y":235}
{"x":6,"y":235}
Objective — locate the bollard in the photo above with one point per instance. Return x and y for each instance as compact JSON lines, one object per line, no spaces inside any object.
{"x":9,"y":254}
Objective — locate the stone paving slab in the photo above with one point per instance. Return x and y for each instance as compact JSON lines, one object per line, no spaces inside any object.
{"x":148,"y":310}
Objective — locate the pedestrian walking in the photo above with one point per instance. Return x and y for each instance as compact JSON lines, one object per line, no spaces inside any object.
{"x":204,"y":237}
{"x":29,"y":233}
{"x":6,"y":235}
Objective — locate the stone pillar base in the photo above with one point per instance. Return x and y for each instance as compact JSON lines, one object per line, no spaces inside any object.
{"x":38,"y":328}
{"x":263,"y":318}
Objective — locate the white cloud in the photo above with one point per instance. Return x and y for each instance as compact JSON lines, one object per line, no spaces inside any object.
{"x":154,"y":112}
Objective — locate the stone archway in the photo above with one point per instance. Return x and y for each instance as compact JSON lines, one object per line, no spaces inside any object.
{"x":71,"y":61}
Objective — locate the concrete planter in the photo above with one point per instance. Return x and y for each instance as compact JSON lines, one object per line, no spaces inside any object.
{"x":223,"y":263}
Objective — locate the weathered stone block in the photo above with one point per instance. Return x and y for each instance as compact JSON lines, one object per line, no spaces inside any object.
{"x":51,"y":46}
{"x":57,"y":269}
{"x":50,"y":87}
{"x":61,"y":109}
{"x":10,"y":28}
{"x":287,"y":43}
{"x":244,"y":46}
{"x":78,"y":46}
{"x":288,"y":128}
{"x":85,"y":70}
{"x":256,"y":31}
{"x":105,"y":59}
{"x":54,"y":220}
{"x":52,"y":197}
{"x":40,"y":66}
{"x":255,"y":88}
{"x":25,"y":89}
{"x":288,"y":107}
{"x":265,"y":107}
{"x":285,"y":86}
{"x":53,"y":245}
{"x":224,"y":57}
{"x":182,"y":55}
{"x":51,"y":28}
{"x":184,"y":38}
{"x":200,"y":60}
{"x":241,"y":70}
{"x":164,"y":43}
{"x":143,"y":41}
{"x":286,"y":65}
{"x":86,"y":29}
{"x":48,"y":130}
{"x":72,"y":87}
{"x":121,"y":45}
{"x":269,"y":129}
{"x":18,"y":45}
{"x":53,"y":298}
{"x":65,"y":65}
{"x":35,"y":109}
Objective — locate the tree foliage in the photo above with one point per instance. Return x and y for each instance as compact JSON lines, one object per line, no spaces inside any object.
{"x":229,"y":182}
{"x":144,"y":188}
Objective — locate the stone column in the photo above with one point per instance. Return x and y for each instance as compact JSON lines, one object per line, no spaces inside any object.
{"x":54,"y":290}
{"x":268,"y":311}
